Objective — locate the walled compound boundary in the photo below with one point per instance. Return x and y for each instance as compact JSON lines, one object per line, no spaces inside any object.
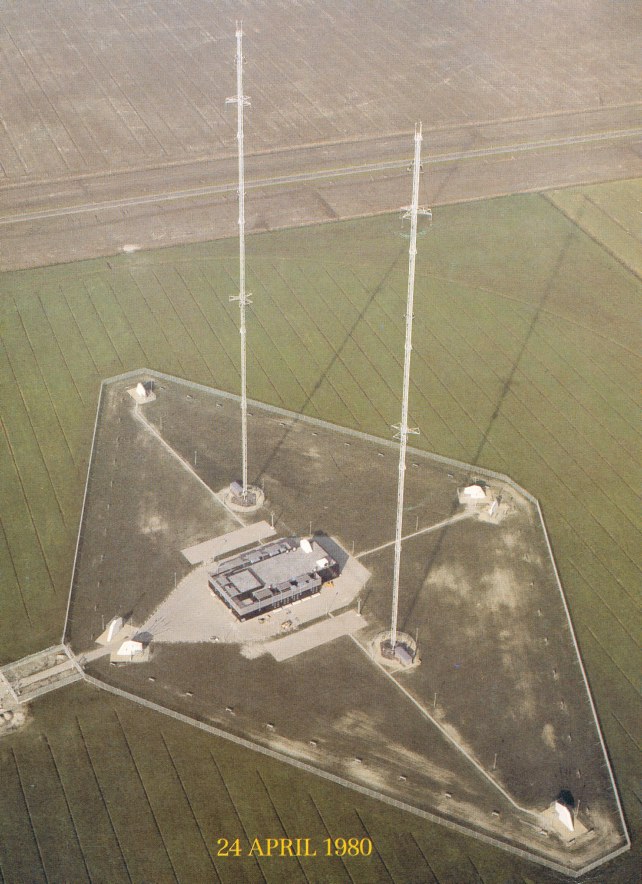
{"x":482,"y":471}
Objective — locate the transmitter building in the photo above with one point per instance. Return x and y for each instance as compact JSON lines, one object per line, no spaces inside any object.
{"x":271,"y":576}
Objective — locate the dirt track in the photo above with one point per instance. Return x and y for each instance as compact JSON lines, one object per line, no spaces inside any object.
{"x":194,"y":201}
{"x":115,"y":130}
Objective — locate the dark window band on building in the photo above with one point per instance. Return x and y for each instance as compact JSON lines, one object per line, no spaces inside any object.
{"x":271,"y":576}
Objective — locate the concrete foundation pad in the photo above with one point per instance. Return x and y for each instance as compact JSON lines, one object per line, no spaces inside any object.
{"x":228,"y":499}
{"x":227,"y":543}
{"x":192,"y":613}
{"x":313,"y":636}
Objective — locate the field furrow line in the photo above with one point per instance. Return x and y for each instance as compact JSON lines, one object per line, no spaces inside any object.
{"x":447,"y":280}
{"x":278,"y":817}
{"x":637,"y":745}
{"x":189,"y":804}
{"x":183,"y":98}
{"x":579,"y":538}
{"x":193,"y":87}
{"x":27,"y":92}
{"x":634,"y":613}
{"x":541,"y":335}
{"x":109,"y":71}
{"x":537,"y":419}
{"x":45,"y":384}
{"x":236,"y":813}
{"x":488,"y":315}
{"x":61,"y":292}
{"x":282,"y":355}
{"x":179,"y":323}
{"x":337,"y":359}
{"x":27,"y":411}
{"x":394,"y":355}
{"x":264,"y":366}
{"x":92,"y":142}
{"x":611,"y":658}
{"x":89,"y":286}
{"x":323,"y":377}
{"x":216,"y":353}
{"x":528,"y":444}
{"x":146,"y":794}
{"x":254,"y":359}
{"x":305,"y":121}
{"x":425,"y":362}
{"x":28,"y":809}
{"x":61,"y":350}
{"x":394,"y":322}
{"x":130,"y":324}
{"x":187,"y":327}
{"x":102,"y":798}
{"x":51,"y":85}
{"x":350,"y":325}
{"x":598,"y":595}
{"x":220,"y":339}
{"x":589,"y":233}
{"x":159,"y":327}
{"x":188,"y":86}
{"x":374,"y":846}
{"x":596,"y":417}
{"x":505,"y":466}
{"x":9,"y":169}
{"x":425,"y":859}
{"x":334,"y":359}
{"x":15,"y":574}
{"x":66,"y":800}
{"x":149,"y":134}
{"x":329,"y":835}
{"x":303,"y":361}
{"x":29,"y":510}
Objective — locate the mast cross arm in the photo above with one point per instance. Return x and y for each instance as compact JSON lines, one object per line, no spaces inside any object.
{"x":421,"y":210}
{"x":401,"y":430}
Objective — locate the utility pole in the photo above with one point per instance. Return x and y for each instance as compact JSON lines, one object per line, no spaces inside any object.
{"x":403,"y":430}
{"x":243,"y":298}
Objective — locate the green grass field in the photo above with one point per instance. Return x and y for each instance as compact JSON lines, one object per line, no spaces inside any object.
{"x":524,"y":361}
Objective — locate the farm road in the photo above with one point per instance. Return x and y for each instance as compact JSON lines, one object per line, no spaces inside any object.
{"x":196,"y":200}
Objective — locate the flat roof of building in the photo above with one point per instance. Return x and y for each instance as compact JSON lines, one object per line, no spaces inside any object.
{"x":271,"y":575}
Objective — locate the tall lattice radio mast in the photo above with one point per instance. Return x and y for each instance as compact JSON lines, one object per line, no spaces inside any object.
{"x":403,"y":430}
{"x":246,"y":496}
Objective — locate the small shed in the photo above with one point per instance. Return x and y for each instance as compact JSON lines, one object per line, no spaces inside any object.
{"x":113,"y":628}
{"x":564,"y":808}
{"x":131,"y":648}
